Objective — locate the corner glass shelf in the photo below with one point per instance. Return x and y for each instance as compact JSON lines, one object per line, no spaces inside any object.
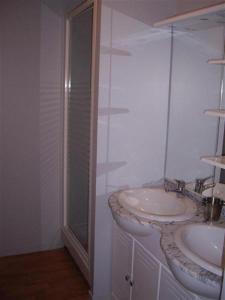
{"x":216,"y":161}
{"x":216,"y":61}
{"x":215,"y":112}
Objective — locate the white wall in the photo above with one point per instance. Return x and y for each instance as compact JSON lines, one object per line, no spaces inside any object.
{"x":21,"y":221}
{"x":133,"y":95}
{"x":51,"y":108}
{"x":31,"y":52}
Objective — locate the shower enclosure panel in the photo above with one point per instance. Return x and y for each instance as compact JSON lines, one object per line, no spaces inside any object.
{"x":79,"y":133}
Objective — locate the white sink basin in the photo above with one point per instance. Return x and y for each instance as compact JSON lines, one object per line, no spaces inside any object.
{"x":156,"y":204}
{"x":203,"y":244}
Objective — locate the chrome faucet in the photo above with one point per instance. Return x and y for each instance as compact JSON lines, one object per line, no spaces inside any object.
{"x":179,"y":188}
{"x":200,"y":185}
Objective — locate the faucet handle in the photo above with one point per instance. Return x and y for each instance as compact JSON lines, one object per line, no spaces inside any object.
{"x":199,"y":184}
{"x":180,"y":182}
{"x":180,"y":185}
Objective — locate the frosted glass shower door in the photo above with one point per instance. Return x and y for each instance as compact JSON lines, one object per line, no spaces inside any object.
{"x":78,"y":125}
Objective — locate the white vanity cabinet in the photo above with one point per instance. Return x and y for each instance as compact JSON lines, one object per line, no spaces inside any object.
{"x":121,"y":265}
{"x":134,"y":272}
{"x":139,"y":273}
{"x":145,"y":275}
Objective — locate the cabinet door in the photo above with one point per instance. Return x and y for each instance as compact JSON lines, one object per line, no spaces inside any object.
{"x":121,"y":264}
{"x":145,"y":275}
{"x":170,"y":289}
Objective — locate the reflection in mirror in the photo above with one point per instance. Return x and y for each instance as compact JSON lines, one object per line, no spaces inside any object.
{"x":195,"y":87}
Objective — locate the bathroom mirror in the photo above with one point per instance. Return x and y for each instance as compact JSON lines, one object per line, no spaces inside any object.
{"x":195,"y":87}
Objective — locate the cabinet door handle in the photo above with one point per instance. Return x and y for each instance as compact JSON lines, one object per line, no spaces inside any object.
{"x":127,"y":277}
{"x":131,"y":283}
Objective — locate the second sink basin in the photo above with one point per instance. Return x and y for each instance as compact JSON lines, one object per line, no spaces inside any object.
{"x":156,"y":204}
{"x":203,"y":244}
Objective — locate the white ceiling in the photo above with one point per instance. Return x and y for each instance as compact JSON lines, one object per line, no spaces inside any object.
{"x":61,"y":6}
{"x":150,"y":11}
{"x":146,"y":11}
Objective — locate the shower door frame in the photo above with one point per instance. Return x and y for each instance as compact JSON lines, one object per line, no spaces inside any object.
{"x":83,"y":259}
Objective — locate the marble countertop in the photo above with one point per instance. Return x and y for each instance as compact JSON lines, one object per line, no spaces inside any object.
{"x":170,"y":249}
